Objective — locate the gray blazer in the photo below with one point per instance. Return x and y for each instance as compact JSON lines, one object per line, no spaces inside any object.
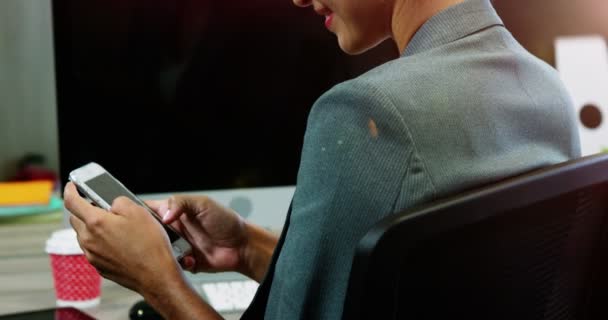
{"x":464,"y":106}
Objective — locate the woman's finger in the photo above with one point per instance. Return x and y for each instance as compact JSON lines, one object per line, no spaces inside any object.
{"x":78,"y":206}
{"x":156,"y":205}
{"x":178,"y":205}
{"x":77,"y":224}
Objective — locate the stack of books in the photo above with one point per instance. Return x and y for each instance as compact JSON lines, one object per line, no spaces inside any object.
{"x":28,"y":198}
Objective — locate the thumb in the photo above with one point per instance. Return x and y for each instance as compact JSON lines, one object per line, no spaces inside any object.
{"x":178,"y":205}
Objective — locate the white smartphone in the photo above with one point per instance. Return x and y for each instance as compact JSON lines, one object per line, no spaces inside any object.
{"x":100,"y":187}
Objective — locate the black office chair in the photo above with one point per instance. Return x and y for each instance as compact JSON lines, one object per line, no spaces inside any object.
{"x":532,"y":247}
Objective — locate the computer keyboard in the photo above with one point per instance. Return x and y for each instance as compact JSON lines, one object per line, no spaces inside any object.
{"x":230,"y":296}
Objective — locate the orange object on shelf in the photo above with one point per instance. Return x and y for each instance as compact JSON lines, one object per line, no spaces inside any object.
{"x":25,"y":193}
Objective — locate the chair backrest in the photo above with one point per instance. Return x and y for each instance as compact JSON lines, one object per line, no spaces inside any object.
{"x":531,"y":247}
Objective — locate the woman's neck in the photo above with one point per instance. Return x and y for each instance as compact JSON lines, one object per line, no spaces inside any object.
{"x":410,"y":15}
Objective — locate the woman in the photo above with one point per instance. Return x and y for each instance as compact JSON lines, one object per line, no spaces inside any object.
{"x":464,"y":105}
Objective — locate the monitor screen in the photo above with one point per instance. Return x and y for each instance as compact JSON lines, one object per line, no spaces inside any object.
{"x":188,"y":95}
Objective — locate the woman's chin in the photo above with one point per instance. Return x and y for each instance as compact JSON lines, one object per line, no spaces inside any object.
{"x":350,"y":48}
{"x":353,"y":47}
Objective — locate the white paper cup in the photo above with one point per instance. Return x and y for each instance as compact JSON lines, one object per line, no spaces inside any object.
{"x":77,"y":282}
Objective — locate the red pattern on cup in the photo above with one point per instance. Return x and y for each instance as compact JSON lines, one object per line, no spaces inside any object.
{"x":71,"y":314}
{"x":75,"y":278}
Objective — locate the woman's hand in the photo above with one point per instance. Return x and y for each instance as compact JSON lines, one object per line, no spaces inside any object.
{"x":217,"y":234}
{"x":126,"y":245}
{"x":221,"y":239}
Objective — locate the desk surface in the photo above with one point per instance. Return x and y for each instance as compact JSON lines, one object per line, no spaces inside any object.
{"x":26,"y":282}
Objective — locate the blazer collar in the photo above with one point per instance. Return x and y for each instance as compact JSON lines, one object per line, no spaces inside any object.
{"x":453,"y":23}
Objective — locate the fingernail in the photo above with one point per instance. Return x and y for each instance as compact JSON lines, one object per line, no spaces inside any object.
{"x":166,"y":215}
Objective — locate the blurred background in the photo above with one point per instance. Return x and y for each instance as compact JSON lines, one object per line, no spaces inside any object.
{"x":28,"y":121}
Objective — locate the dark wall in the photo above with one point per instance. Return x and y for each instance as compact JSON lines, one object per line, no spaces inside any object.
{"x":188,"y":95}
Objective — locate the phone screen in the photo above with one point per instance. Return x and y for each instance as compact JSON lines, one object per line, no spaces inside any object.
{"x":109,"y":189}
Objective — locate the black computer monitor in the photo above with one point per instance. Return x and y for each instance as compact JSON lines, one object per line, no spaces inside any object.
{"x":187,"y":95}
{"x":195,"y":95}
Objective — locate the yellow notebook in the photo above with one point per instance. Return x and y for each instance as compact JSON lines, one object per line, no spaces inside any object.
{"x":25,"y":193}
